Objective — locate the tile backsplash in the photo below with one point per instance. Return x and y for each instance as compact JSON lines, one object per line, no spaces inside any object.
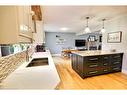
{"x":7,"y":49}
{"x":11,"y":62}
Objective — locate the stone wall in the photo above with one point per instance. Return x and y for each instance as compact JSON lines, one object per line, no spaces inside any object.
{"x":9,"y":63}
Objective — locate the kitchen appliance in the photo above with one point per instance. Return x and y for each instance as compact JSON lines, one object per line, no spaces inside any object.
{"x":40,"y":48}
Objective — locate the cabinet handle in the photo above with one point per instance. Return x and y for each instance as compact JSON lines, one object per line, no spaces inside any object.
{"x":93,"y":59}
{"x":93,"y":65}
{"x":116,"y":62}
{"x":117,"y":56}
{"x":93,"y":72}
{"x":105,"y":64}
{"x":105,"y":57}
{"x":105,"y":70}
{"x":116,"y":68}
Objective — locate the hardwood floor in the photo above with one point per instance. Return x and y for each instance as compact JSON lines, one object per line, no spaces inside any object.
{"x":71,"y":80}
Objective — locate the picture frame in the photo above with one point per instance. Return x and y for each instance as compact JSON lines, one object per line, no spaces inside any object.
{"x":59,"y":40}
{"x":114,"y":37}
{"x":91,"y":38}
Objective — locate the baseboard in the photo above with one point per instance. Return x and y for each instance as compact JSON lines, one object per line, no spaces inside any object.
{"x":124,"y":71}
{"x":56,"y":54}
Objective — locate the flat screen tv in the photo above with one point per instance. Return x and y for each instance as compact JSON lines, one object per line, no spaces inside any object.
{"x":80,"y":43}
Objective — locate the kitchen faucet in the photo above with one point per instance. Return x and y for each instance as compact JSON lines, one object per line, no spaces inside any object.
{"x":28,"y":54}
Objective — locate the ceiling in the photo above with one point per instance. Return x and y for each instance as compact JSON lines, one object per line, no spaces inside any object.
{"x":73,"y":17}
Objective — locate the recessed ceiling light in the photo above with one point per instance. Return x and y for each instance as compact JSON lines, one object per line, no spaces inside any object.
{"x":64,"y":28}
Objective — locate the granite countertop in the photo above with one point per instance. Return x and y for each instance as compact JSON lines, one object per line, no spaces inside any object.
{"x":39,"y":77}
{"x":94,"y":53}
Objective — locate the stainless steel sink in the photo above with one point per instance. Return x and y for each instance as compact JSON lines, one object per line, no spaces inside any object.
{"x":38,"y":62}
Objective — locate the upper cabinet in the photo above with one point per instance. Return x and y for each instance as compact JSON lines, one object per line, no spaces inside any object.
{"x":25,"y":21}
{"x":16,"y":24}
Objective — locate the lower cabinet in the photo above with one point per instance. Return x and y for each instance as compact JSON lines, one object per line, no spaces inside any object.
{"x":87,"y":66}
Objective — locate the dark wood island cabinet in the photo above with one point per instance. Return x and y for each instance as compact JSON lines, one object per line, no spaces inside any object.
{"x":91,"y":63}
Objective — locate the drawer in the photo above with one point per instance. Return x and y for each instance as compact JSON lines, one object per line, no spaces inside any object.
{"x":115,"y":68}
{"x":116,"y":63}
{"x":93,"y":72}
{"x":116,"y":57}
{"x":105,"y":64}
{"x":105,"y":70}
{"x":106,"y":58}
{"x":92,"y":59}
{"x":92,"y":65}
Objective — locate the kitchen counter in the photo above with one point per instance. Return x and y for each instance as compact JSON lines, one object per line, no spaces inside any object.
{"x":38,"y":77}
{"x":91,"y":63}
{"x":94,"y":53}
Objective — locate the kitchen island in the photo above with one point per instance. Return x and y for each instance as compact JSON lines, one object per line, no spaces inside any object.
{"x":36,"y":77}
{"x":91,"y":63}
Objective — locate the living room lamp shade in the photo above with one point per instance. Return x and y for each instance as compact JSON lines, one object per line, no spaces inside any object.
{"x":87,"y":29}
{"x":103,"y":27}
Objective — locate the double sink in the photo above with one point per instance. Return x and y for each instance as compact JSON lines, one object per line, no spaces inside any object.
{"x":38,"y":62}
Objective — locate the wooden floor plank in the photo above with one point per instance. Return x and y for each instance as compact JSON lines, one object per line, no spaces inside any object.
{"x":71,"y":80}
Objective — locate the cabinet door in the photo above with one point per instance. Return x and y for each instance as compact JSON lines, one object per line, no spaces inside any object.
{"x":73,"y":57}
{"x":116,"y":62}
{"x":31,"y":22}
{"x":8,"y":25}
{"x":21,"y":17}
{"x":24,"y":18}
{"x":26,"y":15}
{"x":80,"y":63}
{"x":23,"y":39}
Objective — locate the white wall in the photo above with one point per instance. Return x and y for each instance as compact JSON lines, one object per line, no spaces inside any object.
{"x":69,"y":38}
{"x":39,"y":36}
{"x":117,"y":24}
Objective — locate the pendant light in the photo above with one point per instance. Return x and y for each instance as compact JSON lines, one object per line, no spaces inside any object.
{"x":103,"y":27}
{"x":87,"y":30}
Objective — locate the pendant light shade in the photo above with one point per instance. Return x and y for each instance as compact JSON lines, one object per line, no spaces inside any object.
{"x":103,"y":28}
{"x":87,"y":29}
